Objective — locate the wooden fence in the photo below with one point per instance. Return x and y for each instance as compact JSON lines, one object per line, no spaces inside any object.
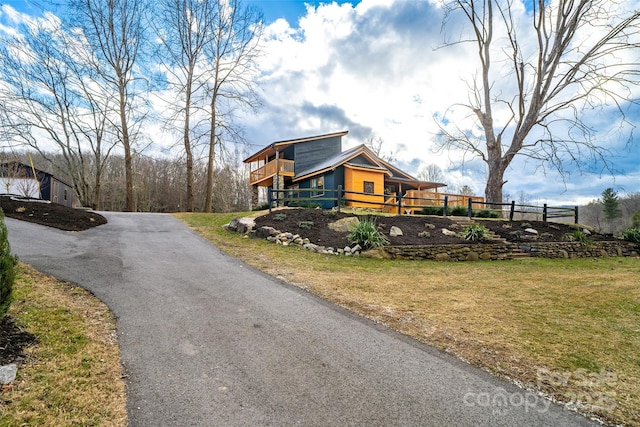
{"x":414,"y":202}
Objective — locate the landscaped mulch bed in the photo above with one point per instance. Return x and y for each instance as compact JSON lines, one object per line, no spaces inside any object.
{"x":50,"y":214}
{"x":289,"y":220}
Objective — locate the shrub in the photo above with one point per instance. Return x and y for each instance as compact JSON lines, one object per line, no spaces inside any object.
{"x":7,"y":268}
{"x":459,"y":211}
{"x":366,"y":234}
{"x":631,"y":235}
{"x":305,"y":224}
{"x":475,"y":233}
{"x":486,"y":213}
{"x":280,"y":217}
{"x":432,"y":210}
{"x":578,"y":236}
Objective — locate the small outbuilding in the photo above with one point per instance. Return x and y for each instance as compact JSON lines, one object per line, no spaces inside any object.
{"x":19,"y":179}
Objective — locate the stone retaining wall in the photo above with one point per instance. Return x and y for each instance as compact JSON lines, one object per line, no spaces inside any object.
{"x":462,"y":252}
{"x":576,"y":250}
{"x":501,"y":251}
{"x":452,"y":252}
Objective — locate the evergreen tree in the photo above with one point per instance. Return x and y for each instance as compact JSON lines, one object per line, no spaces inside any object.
{"x":7,"y":268}
{"x":635,"y":220}
{"x":611,"y":204}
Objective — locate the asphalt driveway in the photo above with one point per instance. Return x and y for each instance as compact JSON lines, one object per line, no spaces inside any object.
{"x":209,"y":341}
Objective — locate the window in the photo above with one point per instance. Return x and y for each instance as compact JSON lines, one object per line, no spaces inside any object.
{"x":368,"y":187}
{"x":317,"y":187}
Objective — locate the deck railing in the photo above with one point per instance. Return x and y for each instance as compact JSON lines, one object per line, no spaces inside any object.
{"x":286,"y":168}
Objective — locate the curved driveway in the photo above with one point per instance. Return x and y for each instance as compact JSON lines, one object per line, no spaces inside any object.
{"x":208,"y":341}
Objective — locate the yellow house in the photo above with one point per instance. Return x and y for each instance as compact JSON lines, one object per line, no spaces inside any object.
{"x":315,"y":167}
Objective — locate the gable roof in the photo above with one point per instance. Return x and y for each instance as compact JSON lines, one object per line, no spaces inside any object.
{"x":339,"y":160}
{"x":393,"y":173}
{"x":271,"y":149}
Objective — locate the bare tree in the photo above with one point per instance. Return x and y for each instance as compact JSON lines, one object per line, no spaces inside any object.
{"x":114,"y":29}
{"x":431,"y":173}
{"x":51,"y":98}
{"x":465,"y":190}
{"x":231,"y":55}
{"x":376,"y":145}
{"x":185,"y":30}
{"x":573,"y":55}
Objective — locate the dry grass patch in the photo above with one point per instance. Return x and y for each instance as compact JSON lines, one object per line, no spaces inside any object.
{"x":73,"y":374}
{"x":570,"y":328}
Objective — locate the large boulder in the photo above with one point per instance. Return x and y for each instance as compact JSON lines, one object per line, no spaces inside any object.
{"x":264,"y":232}
{"x":240,"y":225}
{"x":395,"y":231}
{"x":344,"y":225}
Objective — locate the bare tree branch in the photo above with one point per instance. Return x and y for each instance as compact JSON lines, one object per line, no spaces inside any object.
{"x":580,"y":60}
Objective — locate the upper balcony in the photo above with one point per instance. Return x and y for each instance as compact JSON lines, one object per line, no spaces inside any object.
{"x":263,"y":176}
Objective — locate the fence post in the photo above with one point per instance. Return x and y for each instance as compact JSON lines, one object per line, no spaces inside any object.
{"x":545,"y":213}
{"x":446,"y":204}
{"x":512,"y":210}
{"x":470,"y":207}
{"x":339,"y":197}
{"x":399,"y":204}
{"x":269,"y":197}
{"x":576,"y":210}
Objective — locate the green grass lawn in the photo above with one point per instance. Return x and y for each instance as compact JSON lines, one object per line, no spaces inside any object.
{"x":72,"y":375}
{"x":570,"y":328}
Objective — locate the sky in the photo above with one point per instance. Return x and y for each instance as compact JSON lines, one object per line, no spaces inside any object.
{"x":380,"y":69}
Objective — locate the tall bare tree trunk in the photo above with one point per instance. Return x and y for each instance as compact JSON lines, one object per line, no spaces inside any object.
{"x":208,"y":203}
{"x":126,"y":143}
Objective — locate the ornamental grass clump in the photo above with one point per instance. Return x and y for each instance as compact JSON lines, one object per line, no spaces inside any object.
{"x":366,"y":234}
{"x":578,"y":236}
{"x":475,"y":233}
{"x":631,"y":235}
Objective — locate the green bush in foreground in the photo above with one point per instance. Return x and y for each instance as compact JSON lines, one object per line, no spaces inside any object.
{"x":432,"y":210}
{"x":366,"y":234}
{"x":578,"y":236}
{"x":486,"y":213}
{"x":631,"y":235}
{"x":459,"y":211}
{"x":475,"y":233}
{"x":7,"y":268}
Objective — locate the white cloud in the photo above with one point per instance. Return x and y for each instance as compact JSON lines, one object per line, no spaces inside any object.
{"x":379,"y":69}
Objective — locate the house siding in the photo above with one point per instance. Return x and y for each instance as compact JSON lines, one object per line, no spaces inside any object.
{"x":354,"y":180}
{"x":311,"y":153}
{"x":329,"y":184}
